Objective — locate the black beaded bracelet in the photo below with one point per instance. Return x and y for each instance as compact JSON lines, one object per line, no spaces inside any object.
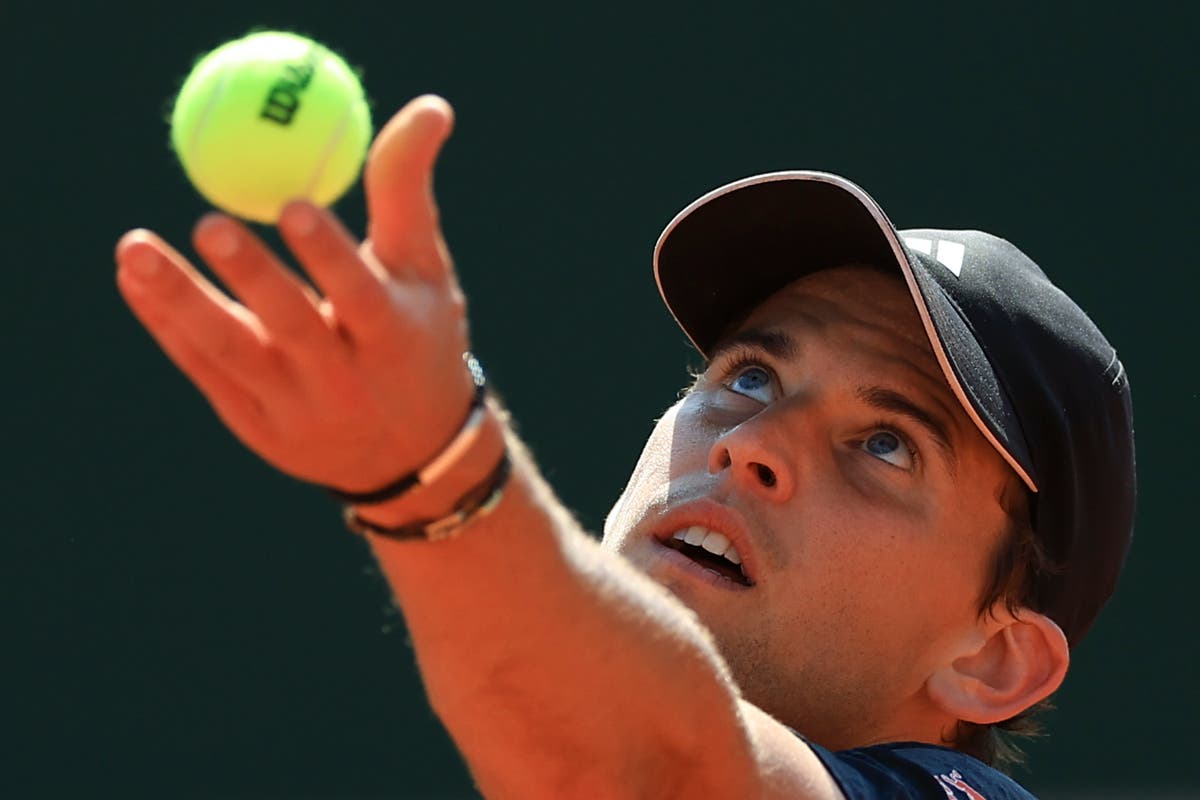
{"x":439,"y":464}
{"x":477,"y":503}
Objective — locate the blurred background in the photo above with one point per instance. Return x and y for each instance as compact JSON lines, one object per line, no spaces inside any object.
{"x":183,"y":621}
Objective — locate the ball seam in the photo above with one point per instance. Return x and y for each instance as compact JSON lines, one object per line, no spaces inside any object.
{"x":327,"y":154}
{"x":209,"y":107}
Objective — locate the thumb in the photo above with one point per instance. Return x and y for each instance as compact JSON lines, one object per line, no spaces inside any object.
{"x":403,"y":226}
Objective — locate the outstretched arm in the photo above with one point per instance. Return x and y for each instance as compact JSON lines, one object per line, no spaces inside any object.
{"x":559,"y":670}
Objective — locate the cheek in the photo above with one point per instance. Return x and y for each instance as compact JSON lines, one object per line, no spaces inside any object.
{"x":650,"y":481}
{"x":882,"y":570}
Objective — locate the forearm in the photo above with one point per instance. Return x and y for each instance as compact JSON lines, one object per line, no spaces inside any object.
{"x":558,"y":669}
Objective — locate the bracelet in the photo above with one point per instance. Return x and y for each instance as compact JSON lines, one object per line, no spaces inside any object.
{"x":477,"y":503}
{"x":443,"y":461}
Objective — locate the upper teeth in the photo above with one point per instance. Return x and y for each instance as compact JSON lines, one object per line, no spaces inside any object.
{"x":713,"y":542}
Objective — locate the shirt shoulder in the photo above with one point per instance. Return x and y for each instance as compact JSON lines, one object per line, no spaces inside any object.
{"x":915,"y":771}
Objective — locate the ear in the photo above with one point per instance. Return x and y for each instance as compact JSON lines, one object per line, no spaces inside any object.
{"x":1019,"y":659}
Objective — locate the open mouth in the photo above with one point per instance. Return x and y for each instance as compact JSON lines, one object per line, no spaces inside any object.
{"x":711,"y":550}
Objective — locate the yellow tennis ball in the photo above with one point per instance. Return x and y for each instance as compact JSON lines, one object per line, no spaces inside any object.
{"x":268,"y":118}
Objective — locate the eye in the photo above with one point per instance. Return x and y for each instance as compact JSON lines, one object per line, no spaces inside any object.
{"x":887,"y":446}
{"x":752,"y":381}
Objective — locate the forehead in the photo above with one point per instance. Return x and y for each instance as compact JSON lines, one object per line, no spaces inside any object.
{"x":862,"y":316}
{"x":851,"y":296}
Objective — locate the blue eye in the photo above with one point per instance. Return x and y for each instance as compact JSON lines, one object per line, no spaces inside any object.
{"x":752,"y":379}
{"x":887,"y":446}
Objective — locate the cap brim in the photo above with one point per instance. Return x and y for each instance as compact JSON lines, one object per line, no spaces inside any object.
{"x":732,"y":248}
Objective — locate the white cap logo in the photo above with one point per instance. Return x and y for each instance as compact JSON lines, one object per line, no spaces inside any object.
{"x":948,"y":254}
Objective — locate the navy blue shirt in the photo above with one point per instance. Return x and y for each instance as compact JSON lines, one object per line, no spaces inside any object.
{"x":904,"y":770}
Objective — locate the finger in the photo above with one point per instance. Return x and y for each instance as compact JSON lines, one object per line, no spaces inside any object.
{"x":240,"y":410}
{"x":329,"y":254}
{"x":403,"y":231}
{"x":286,"y":306}
{"x":182,"y":310}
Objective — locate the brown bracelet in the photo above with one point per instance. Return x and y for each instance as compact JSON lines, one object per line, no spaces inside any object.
{"x":440,"y":463}
{"x":477,"y":503}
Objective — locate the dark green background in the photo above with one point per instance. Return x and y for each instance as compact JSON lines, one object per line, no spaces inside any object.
{"x":183,"y":620}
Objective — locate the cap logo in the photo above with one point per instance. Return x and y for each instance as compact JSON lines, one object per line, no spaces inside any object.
{"x":948,"y":254}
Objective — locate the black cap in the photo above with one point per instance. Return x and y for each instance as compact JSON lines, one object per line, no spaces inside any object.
{"x":1031,"y":370}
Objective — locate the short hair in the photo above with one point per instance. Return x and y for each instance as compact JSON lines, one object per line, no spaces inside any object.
{"x":1018,"y":566}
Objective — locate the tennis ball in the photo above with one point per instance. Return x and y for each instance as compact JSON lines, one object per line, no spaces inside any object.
{"x":267,"y":118}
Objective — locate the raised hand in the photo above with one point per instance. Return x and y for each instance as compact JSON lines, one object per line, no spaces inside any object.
{"x":353,"y":380}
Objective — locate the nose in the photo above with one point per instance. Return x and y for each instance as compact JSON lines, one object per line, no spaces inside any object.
{"x":754,"y":455}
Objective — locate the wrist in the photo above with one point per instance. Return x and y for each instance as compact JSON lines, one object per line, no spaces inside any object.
{"x":441,"y":461}
{"x":471,"y":468}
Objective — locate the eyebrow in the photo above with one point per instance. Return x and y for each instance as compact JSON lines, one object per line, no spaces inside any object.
{"x":784,"y":347}
{"x":772,"y":341}
{"x":896,"y":403}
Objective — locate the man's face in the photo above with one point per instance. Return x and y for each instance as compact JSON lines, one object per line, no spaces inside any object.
{"x":824,"y":443}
